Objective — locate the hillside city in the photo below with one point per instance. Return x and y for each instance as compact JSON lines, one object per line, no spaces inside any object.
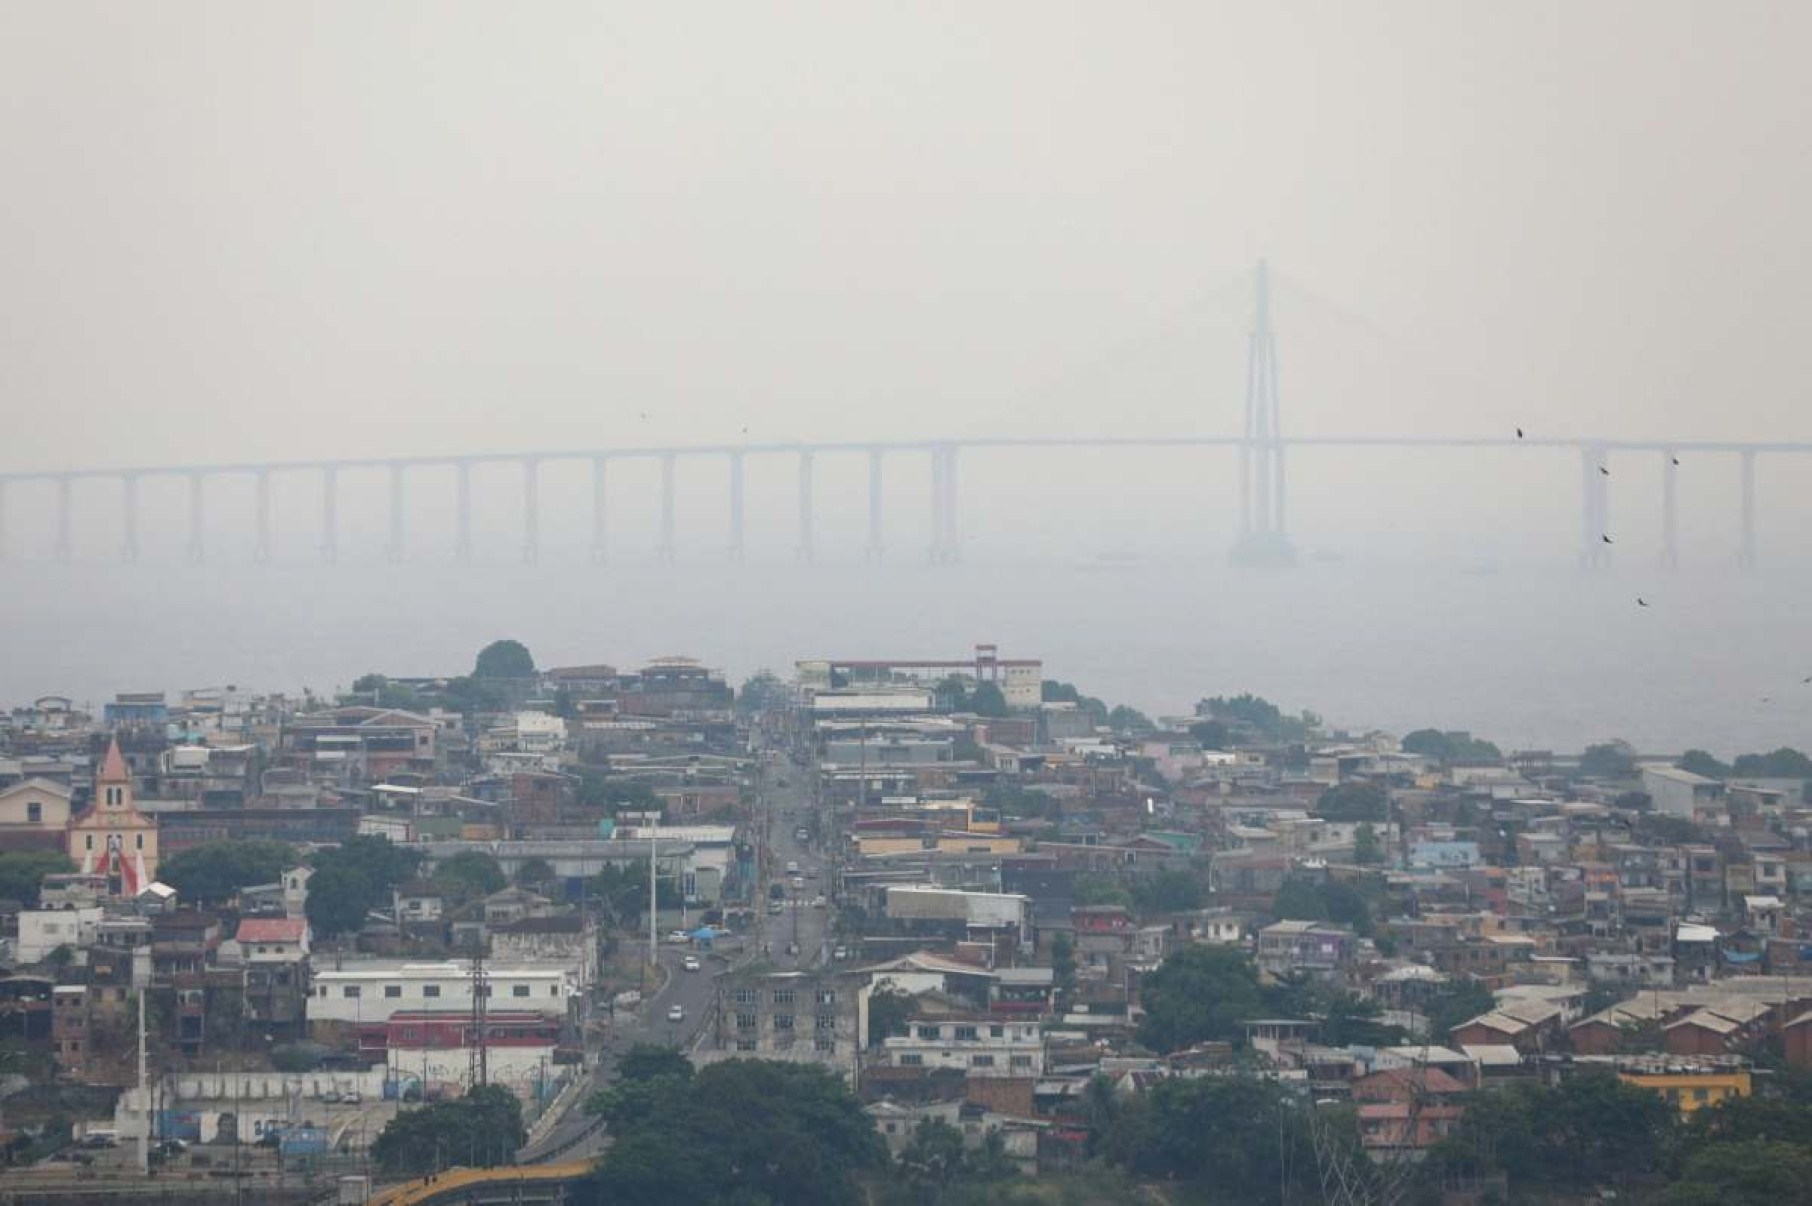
{"x":883,"y":931}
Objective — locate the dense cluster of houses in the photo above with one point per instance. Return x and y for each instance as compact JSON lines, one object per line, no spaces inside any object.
{"x":1007,"y":871}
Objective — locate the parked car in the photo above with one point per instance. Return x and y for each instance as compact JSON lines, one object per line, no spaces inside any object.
{"x":676,"y":936}
{"x":350,"y":1097}
{"x":840,"y":954}
{"x":676,"y":1013}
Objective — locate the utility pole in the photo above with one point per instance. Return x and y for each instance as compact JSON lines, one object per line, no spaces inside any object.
{"x":144,"y":1092}
{"x":479,"y":1071}
{"x":653,"y":900}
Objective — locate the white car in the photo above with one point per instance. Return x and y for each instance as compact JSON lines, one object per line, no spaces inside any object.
{"x":676,"y":1013}
{"x":818,"y":902}
{"x":677,"y":937}
{"x":690,"y":963}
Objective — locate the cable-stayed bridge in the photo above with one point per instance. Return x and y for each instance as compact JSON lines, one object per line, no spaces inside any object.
{"x":1263,"y":446}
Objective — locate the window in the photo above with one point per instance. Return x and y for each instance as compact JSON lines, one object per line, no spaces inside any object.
{"x":324,"y":990}
{"x":911,"y":1061}
{"x":553,"y":990}
{"x":745,"y":1021}
{"x":1021,"y":1061}
{"x":141,"y":841}
{"x":783,"y":996}
{"x":827,"y":1021}
{"x":827,"y":996}
{"x":431,"y":990}
{"x":264,"y":950}
{"x":350,"y":992}
{"x":745,"y":1044}
{"x":743,"y":996}
{"x":824,"y":1044}
{"x":981,"y":1061}
{"x":520,"y":990}
{"x":89,"y":840}
{"x":34,"y":813}
{"x":1698,"y":1094}
{"x":783,"y":1021}
{"x":393,"y":991}
{"x":996,"y":1031}
{"x":929,"y":1032}
{"x":965,"y":1033}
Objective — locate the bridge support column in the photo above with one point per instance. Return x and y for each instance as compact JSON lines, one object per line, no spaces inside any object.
{"x":531,"y":511}
{"x":736,"y":520}
{"x":599,"y":514}
{"x":875,"y":464}
{"x":805,"y":505}
{"x":1670,"y":529}
{"x":393,"y":551}
{"x":462,"y":512}
{"x":665,"y":550}
{"x":129,"y":518}
{"x":261,"y":547}
{"x":1746,"y":551}
{"x":1595,"y":508}
{"x":64,"y":544}
{"x":330,"y":514}
{"x":197,"y":518}
{"x":944,"y":543}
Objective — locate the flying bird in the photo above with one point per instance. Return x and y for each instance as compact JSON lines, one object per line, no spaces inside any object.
{"x":1674,"y":459}
{"x":1604,"y":471}
{"x":1607,"y":539}
{"x":1519,"y":433}
{"x":1641,"y":602}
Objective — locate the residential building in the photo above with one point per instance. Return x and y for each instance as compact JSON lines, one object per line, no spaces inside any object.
{"x":796,"y":1016}
{"x":373,"y":990}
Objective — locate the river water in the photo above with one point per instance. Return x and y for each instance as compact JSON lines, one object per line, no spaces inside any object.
{"x":1530,"y":655}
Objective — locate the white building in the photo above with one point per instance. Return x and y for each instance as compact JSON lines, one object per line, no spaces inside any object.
{"x":539,"y":732}
{"x":42,"y":931}
{"x":980,"y":1046}
{"x":1678,"y":793}
{"x":372,"y":991}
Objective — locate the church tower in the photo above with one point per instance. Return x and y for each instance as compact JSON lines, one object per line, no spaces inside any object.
{"x":112,"y":837}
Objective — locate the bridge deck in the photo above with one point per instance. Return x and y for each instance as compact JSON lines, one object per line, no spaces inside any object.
{"x":455,"y":1184}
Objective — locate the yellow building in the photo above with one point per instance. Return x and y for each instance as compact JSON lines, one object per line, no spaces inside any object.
{"x":1693,"y":1089}
{"x":113,"y":838}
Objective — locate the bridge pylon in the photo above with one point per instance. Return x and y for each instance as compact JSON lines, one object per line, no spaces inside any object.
{"x":1264,"y":539}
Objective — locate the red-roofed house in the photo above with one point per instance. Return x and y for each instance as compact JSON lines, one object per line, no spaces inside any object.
{"x":273,"y":939}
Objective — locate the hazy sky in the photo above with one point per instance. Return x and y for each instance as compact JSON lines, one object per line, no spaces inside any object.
{"x":254,"y":230}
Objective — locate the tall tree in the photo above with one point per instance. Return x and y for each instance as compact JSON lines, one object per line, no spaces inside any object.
{"x":1608,"y":760}
{"x":22,"y":873}
{"x":1199,"y":993}
{"x":504,"y":659}
{"x":483,"y":1129}
{"x":988,"y":700}
{"x":738,"y":1133}
{"x":470,"y":874}
{"x":1699,"y":762}
{"x":1355,"y":800}
{"x":214,"y":871}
